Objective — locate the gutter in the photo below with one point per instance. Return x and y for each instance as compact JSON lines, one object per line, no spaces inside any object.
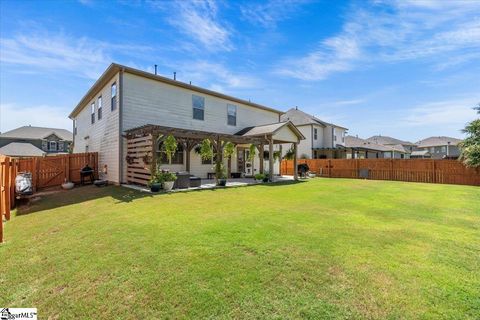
{"x":120,"y":126}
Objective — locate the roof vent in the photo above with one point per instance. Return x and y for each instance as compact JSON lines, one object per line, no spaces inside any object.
{"x":155,"y":69}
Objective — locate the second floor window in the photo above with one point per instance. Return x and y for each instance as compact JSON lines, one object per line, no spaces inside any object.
{"x":231,"y":115}
{"x":99,"y":108}
{"x":315,"y":134}
{"x":198,"y":104}
{"x":52,"y":146}
{"x":92,"y":111}
{"x":113,"y":105}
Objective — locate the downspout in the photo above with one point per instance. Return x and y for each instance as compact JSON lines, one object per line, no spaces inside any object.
{"x":311,"y":138}
{"x":120,"y":127}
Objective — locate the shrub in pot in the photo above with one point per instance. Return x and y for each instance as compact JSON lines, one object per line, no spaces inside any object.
{"x":168,"y":179}
{"x":260,"y":177}
{"x":155,"y":182}
{"x":221,"y":174}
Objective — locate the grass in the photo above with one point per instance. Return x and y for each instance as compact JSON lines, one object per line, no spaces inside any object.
{"x":326,"y":248}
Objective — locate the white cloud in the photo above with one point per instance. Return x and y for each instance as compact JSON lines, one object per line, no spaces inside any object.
{"x":199,"y":21}
{"x":454,"y":113}
{"x":393,"y":33}
{"x":40,"y":50}
{"x":268,"y":14}
{"x":13,"y":116}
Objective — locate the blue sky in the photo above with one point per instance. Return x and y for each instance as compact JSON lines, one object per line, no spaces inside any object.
{"x":409,"y":69}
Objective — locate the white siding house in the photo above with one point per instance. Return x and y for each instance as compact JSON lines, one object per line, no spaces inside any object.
{"x":142,"y":98}
{"x":322,"y":139}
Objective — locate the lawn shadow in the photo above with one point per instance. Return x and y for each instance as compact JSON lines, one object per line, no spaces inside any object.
{"x":55,"y":198}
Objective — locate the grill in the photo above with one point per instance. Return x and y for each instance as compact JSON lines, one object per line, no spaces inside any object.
{"x":86,"y":172}
{"x":302,"y":169}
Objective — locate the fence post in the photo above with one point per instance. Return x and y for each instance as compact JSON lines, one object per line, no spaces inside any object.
{"x":67,"y":168}
{"x":329,"y":168}
{"x":434,"y":180}
{"x":6,"y":188}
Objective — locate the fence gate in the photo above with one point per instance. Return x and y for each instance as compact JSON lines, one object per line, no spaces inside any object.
{"x":51,"y":171}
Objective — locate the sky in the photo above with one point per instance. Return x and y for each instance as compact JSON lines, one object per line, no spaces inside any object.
{"x":408,"y":69}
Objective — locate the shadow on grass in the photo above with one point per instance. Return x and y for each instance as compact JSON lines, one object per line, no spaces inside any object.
{"x":55,"y":198}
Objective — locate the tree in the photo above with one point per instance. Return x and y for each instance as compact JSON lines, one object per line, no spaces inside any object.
{"x":470,"y":147}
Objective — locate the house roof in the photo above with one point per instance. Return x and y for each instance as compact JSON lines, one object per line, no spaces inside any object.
{"x":37,"y":133}
{"x":438,"y":141}
{"x":300,"y":118}
{"x":114,"y":68}
{"x":21,"y":149}
{"x":418,"y":153}
{"x":359,"y":143}
{"x":385,"y":140}
{"x":268,"y":129}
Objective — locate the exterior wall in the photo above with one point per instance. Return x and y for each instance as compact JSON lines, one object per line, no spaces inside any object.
{"x":148,"y":101}
{"x":439,"y":152}
{"x":102,"y":136}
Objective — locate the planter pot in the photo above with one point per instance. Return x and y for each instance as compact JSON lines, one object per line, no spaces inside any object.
{"x":155,"y":187}
{"x":168,"y":185}
{"x":67,"y":185}
{"x":222,"y":182}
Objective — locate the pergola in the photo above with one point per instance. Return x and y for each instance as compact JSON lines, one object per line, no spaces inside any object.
{"x":142,"y":141}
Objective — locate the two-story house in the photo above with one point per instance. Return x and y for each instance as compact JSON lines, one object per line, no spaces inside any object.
{"x":358,"y":148}
{"x":438,"y":147}
{"x":405,"y":147}
{"x":323,"y":140}
{"x":127,"y":105}
{"x":28,"y":141}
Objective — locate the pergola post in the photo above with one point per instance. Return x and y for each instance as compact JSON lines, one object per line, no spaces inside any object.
{"x":153,"y":165}
{"x":270,"y":159}
{"x":280,"y":161}
{"x":295,"y":169}
{"x":219,"y":159}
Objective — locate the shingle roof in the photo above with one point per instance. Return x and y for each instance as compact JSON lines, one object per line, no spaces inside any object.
{"x":29,"y":132}
{"x":385,"y":140}
{"x":268,"y":129}
{"x":299,"y":118}
{"x":355,"y":142}
{"x":21,"y":149}
{"x":438,"y":141}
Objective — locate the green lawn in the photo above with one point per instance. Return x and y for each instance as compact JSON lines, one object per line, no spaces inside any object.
{"x":326,"y":248}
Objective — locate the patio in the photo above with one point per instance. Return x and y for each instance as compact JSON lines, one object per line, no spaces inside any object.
{"x":210,"y":184}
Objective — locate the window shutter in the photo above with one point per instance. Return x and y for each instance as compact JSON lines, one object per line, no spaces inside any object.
{"x":44,"y":145}
{"x":60,"y":146}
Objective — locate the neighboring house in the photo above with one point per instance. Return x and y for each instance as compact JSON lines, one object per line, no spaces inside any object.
{"x":420,"y":154}
{"x":125,"y":102}
{"x":35,"y":141}
{"x":440,"y":147}
{"x":323,"y":140}
{"x":405,"y":146}
{"x":357,"y":148}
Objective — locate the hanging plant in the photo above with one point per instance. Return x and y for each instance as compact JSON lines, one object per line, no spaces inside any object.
{"x":228,"y":149}
{"x":252,"y":152}
{"x":169,"y":146}
{"x":206,"y":150}
{"x":130,"y":159}
{"x":277,"y":155}
{"x":289,"y":155}
{"x":147,"y":158}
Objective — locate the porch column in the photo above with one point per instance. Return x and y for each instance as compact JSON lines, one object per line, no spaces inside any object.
{"x":189,"y":144}
{"x":295,"y":170}
{"x":270,"y":159}
{"x":219,"y":157}
{"x":280,"y":161}
{"x":260,"y":156}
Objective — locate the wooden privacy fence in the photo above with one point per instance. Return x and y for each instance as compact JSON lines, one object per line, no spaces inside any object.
{"x":46,"y":172}
{"x":412,"y":170}
{"x":7,"y":189}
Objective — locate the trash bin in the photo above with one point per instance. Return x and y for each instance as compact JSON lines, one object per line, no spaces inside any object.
{"x":23,"y":183}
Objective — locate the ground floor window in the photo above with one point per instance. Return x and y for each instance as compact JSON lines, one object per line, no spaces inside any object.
{"x":177,"y":157}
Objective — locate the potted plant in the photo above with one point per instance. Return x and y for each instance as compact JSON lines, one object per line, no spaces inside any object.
{"x":168,"y":179}
{"x":155,"y":182}
{"x":266,"y":177}
{"x":260,"y":177}
{"x":221,"y":174}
